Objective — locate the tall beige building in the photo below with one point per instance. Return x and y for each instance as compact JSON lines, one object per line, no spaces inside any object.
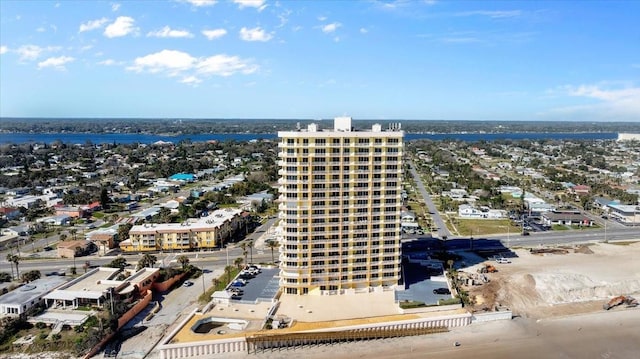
{"x":340,"y":202}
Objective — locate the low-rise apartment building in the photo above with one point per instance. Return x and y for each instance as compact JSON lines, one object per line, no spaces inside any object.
{"x":201,"y":233}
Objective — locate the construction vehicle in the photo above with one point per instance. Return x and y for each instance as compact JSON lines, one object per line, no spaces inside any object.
{"x":621,"y":299}
{"x":487,"y":268}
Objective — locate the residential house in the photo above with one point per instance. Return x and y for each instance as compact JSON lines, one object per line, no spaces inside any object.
{"x":104,"y":238}
{"x":77,"y":248}
{"x":408,"y":220}
{"x":10,"y":213}
{"x":468,"y":211}
{"x":99,"y":285}
{"x":71,"y":211}
{"x":61,"y":220}
{"x":20,"y":300}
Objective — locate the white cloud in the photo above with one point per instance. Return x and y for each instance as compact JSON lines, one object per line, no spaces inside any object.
{"x":363,"y":30}
{"x":329,"y":28}
{"x":177,"y":63}
{"x":191,"y":80}
{"x":214,"y":34}
{"x":223,"y":65}
{"x":169,"y":32}
{"x":284,"y":18}
{"x":121,"y":27}
{"x":166,"y":60}
{"x":115,"y":7}
{"x":41,"y":29}
{"x":201,"y":3}
{"x":3,"y":49}
{"x":32,"y":52}
{"x":107,"y":62}
{"x":85,"y":48}
{"x":258,"y":4}
{"x":55,"y":62}
{"x":322,"y":18}
{"x":255,"y":34}
{"x":93,"y":24}
{"x":620,"y":103}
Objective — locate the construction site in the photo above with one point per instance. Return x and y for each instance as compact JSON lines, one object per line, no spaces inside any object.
{"x":554,"y":281}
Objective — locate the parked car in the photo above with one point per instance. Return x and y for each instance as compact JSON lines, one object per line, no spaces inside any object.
{"x":503,"y":260}
{"x":236,"y":290}
{"x":237,"y":283}
{"x":187,"y":283}
{"x":441,"y":291}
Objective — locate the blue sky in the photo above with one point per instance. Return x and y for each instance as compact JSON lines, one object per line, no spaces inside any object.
{"x":449,"y":60}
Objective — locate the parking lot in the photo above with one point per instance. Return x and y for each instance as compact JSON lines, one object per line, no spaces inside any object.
{"x":262,"y":287}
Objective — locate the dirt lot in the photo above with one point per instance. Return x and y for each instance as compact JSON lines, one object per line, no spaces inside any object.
{"x":561,"y":281}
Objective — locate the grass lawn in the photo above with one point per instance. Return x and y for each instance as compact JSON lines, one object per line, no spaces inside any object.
{"x":481,"y":227}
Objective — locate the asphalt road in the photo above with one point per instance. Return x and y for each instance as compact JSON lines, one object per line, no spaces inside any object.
{"x":443,"y":231}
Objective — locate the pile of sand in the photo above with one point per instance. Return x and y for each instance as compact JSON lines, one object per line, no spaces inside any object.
{"x":581,"y":280}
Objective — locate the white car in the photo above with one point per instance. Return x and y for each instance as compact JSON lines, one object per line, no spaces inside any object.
{"x":503,"y":261}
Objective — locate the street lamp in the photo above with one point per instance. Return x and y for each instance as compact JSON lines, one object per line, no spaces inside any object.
{"x":203,"y":286}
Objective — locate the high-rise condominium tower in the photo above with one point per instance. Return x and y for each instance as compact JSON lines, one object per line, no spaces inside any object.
{"x":340,"y":202}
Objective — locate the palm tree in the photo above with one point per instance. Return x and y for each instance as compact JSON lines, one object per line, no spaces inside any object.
{"x":238,"y":262}
{"x":243,"y":245}
{"x":228,"y":270}
{"x":273,"y":245}
{"x":73,"y":232}
{"x":250,"y":245}
{"x":148,"y":260}
{"x":12,"y":258}
{"x":184,"y":261}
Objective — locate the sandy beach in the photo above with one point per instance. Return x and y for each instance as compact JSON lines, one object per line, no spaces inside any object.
{"x":609,"y":335}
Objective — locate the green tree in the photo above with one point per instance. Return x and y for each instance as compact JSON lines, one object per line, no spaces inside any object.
{"x":273,"y":244}
{"x":104,"y":198}
{"x":148,"y":260}
{"x":184,"y":261}
{"x":73,"y":232}
{"x":30,"y":276}
{"x":123,"y":231}
{"x":120,"y":262}
{"x":5,"y":277}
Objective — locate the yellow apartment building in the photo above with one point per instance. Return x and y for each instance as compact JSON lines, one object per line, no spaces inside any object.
{"x":207,"y":232}
{"x":340,"y":203}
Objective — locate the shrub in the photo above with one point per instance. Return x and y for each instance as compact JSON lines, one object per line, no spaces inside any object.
{"x":41,"y":325}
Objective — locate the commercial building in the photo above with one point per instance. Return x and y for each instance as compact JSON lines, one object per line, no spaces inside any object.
{"x":624,"y":213}
{"x":340,"y":207}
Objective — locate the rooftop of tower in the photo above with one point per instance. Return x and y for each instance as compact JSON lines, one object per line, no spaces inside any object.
{"x":344,"y":124}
